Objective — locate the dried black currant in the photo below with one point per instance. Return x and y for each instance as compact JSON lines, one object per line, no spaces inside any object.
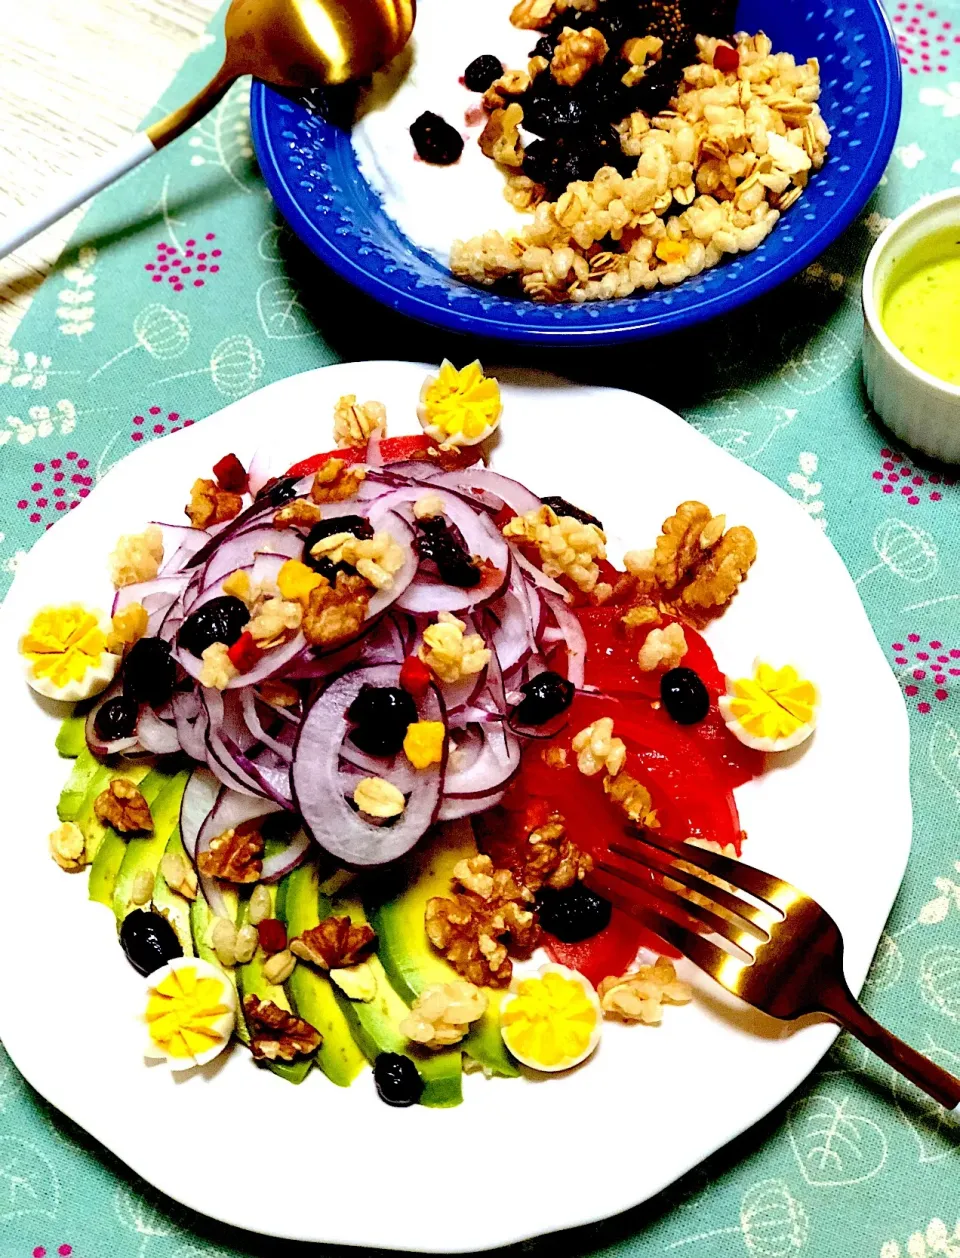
{"x":481,"y":73}
{"x":149,"y":672}
{"x":435,"y":140}
{"x":544,"y":697}
{"x":116,"y":719}
{"x":148,"y":940}
{"x":397,"y":1080}
{"x":562,"y":507}
{"x":684,"y":696}
{"x":574,"y":914}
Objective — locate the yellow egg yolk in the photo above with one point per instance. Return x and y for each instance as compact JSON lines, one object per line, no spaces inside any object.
{"x":774,"y":703}
{"x":183,"y":1011}
{"x":550,"y":1020}
{"x":463,"y":403}
{"x":62,"y":643}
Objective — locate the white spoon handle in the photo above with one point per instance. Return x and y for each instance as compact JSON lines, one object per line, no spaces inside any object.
{"x":19,"y":228}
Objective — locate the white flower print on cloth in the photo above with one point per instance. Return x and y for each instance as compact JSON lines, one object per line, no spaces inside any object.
{"x":910,"y":155}
{"x":27,"y":371}
{"x":806,"y":490}
{"x":42,"y":423}
{"x":935,"y":1241}
{"x":946,"y":98}
{"x":876,"y":223}
{"x":76,"y":310}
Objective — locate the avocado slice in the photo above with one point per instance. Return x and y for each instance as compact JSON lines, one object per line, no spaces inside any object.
{"x":72,"y":736}
{"x":411,"y":961}
{"x":311,"y":994}
{"x":376,"y":1026}
{"x":86,"y":770}
{"x":251,"y":982}
{"x":144,"y":851}
{"x":109,"y":846}
{"x":201,"y":919}
{"x":170,"y":903}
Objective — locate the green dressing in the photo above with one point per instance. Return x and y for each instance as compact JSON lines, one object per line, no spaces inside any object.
{"x":921,"y":307}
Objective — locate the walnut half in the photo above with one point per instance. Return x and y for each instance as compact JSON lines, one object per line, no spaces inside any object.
{"x":275,"y":1034}
{"x":235,"y":855}
{"x":335,"y":944}
{"x":122,"y":806}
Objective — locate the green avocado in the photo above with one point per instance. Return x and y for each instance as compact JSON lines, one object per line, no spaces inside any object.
{"x":409,"y":958}
{"x":310,"y":992}
{"x":87,"y":770}
{"x":144,"y":851}
{"x":376,"y":1025}
{"x":109,"y":846}
{"x":72,"y":737}
{"x":251,"y":982}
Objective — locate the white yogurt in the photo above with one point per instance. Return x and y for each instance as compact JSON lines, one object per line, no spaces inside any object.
{"x":435,"y":205}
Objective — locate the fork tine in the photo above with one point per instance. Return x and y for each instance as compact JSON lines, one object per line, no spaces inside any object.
{"x":719,"y":964}
{"x":667,"y":901}
{"x":758,"y":920}
{"x":777,"y":893}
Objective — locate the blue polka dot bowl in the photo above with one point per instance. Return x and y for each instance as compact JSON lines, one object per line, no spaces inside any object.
{"x":311,"y":170}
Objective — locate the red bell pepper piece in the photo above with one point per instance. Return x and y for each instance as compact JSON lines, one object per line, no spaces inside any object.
{"x":392,"y":450}
{"x":244,"y":653}
{"x":414,"y":677}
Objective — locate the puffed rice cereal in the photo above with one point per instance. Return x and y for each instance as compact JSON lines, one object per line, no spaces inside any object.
{"x":442,"y":1013}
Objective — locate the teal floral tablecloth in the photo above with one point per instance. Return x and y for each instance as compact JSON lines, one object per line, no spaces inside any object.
{"x":182,"y":292}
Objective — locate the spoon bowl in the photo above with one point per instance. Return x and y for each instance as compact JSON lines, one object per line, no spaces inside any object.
{"x":305,"y":43}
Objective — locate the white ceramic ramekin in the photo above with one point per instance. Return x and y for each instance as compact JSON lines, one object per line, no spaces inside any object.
{"x":920,"y":409}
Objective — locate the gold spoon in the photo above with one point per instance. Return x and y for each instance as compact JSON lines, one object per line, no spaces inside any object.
{"x":288,"y":43}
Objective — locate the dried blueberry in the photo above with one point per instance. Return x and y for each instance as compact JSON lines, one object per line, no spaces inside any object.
{"x":220,"y":620}
{"x":544,"y":697}
{"x":435,"y":140}
{"x":553,"y":113}
{"x":684,"y":696}
{"x":116,"y":719}
{"x":358,"y":525}
{"x":437,"y":542}
{"x":148,"y":940}
{"x":149,"y":673}
{"x":397,"y":1079}
{"x":563,"y":507}
{"x":481,"y":72}
{"x":574,"y":914}
{"x":381,"y":715}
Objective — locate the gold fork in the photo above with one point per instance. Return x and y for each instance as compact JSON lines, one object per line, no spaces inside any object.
{"x":789,"y":951}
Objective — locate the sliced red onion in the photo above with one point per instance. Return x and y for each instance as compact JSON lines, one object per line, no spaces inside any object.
{"x":574,"y":636}
{"x":374,"y":455}
{"x":280,"y":864}
{"x":190,"y":716}
{"x":396,"y":769}
{"x":488,"y":771}
{"x":230,"y":810}
{"x":510,"y":492}
{"x":149,"y":593}
{"x":453,"y":807}
{"x":156,"y":736}
{"x":537,"y":576}
{"x":219,"y":756}
{"x":199,"y":797}
{"x":241,"y":551}
{"x":248,"y":700}
{"x":346,"y":834}
{"x":259,"y":472}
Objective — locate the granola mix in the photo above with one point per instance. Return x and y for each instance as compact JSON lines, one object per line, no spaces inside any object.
{"x":714,"y":172}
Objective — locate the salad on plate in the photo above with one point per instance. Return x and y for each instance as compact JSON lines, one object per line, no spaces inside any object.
{"x":349,"y":741}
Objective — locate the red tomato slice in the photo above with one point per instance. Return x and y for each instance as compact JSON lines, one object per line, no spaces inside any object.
{"x":690,"y":796}
{"x":392,"y":450}
{"x":612,"y":667}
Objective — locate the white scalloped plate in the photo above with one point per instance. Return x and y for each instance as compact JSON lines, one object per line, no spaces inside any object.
{"x":354,"y":1171}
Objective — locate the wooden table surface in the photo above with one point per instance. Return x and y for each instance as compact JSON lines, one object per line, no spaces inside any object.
{"x":76,"y":77}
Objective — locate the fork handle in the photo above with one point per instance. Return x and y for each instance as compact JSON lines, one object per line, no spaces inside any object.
{"x":944,"y":1087}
